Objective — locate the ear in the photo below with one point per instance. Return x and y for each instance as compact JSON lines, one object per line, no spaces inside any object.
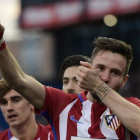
{"x":32,"y":107}
{"x":124,"y":80}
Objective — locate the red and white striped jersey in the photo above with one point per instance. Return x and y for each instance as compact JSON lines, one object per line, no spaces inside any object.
{"x":43,"y":133}
{"x":74,"y":115}
{"x":49,"y":132}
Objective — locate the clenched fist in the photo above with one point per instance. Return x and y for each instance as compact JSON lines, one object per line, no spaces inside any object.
{"x":88,"y":77}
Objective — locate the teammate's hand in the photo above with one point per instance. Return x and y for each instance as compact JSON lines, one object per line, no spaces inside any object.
{"x":88,"y":77}
{"x":1,"y":31}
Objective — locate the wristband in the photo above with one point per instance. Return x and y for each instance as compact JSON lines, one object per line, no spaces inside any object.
{"x":2,"y":44}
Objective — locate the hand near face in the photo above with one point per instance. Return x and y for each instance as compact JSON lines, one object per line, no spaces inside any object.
{"x":88,"y":77}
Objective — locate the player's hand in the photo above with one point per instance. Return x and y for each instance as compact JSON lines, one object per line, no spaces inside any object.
{"x":88,"y":77}
{"x":1,"y":31}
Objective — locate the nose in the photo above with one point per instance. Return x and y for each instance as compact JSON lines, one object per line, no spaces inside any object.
{"x":105,"y":76}
{"x":71,"y":87}
{"x":10,"y":107}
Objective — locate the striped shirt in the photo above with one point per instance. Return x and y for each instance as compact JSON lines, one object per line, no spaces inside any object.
{"x":74,"y":115}
{"x":43,"y":133}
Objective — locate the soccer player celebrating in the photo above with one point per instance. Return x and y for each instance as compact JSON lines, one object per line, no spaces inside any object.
{"x":99,"y":112}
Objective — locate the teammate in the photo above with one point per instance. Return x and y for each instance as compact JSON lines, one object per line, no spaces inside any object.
{"x":68,"y":71}
{"x":19,"y":114}
{"x":99,"y":113}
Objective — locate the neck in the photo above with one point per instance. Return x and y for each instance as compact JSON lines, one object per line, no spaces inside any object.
{"x":26,"y":131}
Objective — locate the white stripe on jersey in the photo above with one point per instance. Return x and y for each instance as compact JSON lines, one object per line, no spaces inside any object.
{"x":14,"y":138}
{"x":106,"y":131}
{"x":49,"y":135}
{"x":63,"y":118}
{"x":82,"y":128}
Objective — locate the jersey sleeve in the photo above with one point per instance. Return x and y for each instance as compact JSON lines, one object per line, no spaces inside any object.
{"x":55,"y":102}
{"x":134,"y":100}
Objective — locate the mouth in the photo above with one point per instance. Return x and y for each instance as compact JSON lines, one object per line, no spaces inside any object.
{"x":12,"y":116}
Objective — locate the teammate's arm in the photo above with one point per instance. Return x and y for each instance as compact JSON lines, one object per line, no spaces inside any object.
{"x":27,"y":86}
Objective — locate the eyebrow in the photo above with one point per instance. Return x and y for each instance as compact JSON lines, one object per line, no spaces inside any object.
{"x":13,"y":97}
{"x":65,"y":78}
{"x":99,"y":65}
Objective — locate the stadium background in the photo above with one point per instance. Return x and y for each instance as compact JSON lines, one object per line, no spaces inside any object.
{"x":41,"y":34}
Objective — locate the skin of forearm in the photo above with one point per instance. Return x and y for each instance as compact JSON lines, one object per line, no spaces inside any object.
{"x":25,"y":85}
{"x":127,"y":112}
{"x":10,"y":69}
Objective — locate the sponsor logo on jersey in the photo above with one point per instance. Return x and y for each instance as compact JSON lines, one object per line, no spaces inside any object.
{"x":112,"y":121}
{"x":73,"y":119}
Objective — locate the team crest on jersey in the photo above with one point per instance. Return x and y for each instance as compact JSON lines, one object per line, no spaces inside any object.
{"x":112,"y":121}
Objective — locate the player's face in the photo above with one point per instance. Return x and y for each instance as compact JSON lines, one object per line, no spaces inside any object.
{"x":16,"y":110}
{"x":111,"y":68}
{"x":69,"y":81}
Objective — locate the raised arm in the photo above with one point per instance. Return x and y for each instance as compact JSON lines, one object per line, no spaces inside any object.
{"x":24,"y":84}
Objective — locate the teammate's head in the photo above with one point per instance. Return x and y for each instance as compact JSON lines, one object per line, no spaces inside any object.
{"x":16,"y":110}
{"x":115,"y":46}
{"x":68,"y":73}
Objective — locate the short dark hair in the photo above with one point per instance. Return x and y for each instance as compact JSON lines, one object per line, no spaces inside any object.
{"x":4,"y":88}
{"x":115,"y":46}
{"x":73,"y":60}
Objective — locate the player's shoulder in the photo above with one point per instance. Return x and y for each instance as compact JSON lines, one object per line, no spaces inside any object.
{"x":4,"y":135}
{"x":48,"y":127}
{"x":52,"y":89}
{"x":44,"y":128}
{"x":44,"y":131}
{"x":59,"y":92}
{"x":40,"y":125}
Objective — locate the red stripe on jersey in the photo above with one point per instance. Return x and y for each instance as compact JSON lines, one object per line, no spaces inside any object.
{"x":97,"y":111}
